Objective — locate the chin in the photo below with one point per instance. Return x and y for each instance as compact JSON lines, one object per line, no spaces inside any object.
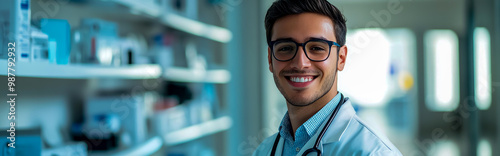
{"x":300,"y":99}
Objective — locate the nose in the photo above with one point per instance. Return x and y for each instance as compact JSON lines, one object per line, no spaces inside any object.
{"x":300,"y":61}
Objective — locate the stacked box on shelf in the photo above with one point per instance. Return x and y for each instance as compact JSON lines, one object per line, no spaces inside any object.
{"x":128,"y":110}
{"x":39,"y":46}
{"x":15,"y":17}
{"x":58,"y":31}
{"x":99,"y":42}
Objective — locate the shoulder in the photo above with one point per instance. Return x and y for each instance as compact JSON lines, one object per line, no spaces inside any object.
{"x":265,"y":146}
{"x":373,"y":142}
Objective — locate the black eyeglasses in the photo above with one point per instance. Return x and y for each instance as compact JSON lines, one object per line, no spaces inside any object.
{"x":316,"y":49}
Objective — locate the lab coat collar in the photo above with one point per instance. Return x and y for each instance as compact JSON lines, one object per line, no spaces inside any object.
{"x":339,"y":124}
{"x":334,"y":132}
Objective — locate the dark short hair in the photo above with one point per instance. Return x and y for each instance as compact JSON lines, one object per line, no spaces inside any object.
{"x":282,"y":8}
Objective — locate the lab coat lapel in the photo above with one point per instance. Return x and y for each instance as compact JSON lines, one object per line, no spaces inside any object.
{"x":279,"y":147}
{"x":339,"y":124}
{"x":334,"y":132}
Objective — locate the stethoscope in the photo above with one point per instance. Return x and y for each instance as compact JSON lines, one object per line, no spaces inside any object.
{"x":316,"y":144}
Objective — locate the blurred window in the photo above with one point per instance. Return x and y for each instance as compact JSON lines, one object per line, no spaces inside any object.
{"x":482,"y":66}
{"x":365,"y":78}
{"x":444,"y":148}
{"x":441,"y":70}
{"x":484,"y":148}
{"x":368,"y":76}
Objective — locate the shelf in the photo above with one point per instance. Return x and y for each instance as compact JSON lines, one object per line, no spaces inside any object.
{"x":173,"y":138}
{"x":197,"y":28}
{"x":181,"y":23}
{"x":147,"y":7}
{"x":197,"y":131}
{"x":147,"y":148}
{"x":82,"y":71}
{"x":197,"y":76}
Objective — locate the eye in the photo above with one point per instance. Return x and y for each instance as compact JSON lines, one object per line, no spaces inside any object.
{"x":317,"y":48}
{"x":285,"y":48}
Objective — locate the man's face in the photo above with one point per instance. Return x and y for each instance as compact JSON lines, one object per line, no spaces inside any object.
{"x":319,"y":76}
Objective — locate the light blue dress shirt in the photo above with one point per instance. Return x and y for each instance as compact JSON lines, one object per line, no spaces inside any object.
{"x":306,"y":130}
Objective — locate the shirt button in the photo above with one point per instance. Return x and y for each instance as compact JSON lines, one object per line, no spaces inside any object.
{"x":297,"y":149}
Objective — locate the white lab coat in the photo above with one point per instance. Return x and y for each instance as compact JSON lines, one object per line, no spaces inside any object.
{"x":347,"y":135}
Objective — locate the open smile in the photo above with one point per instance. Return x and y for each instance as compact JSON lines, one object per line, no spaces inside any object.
{"x":300,"y":81}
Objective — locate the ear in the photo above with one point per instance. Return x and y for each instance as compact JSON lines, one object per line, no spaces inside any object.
{"x":342,"y":58}
{"x":269,"y":59}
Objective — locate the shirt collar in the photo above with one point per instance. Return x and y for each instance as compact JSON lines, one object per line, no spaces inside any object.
{"x":313,"y":123}
{"x":285,"y":128}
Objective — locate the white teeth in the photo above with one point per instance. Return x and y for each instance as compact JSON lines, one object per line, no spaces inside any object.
{"x":300,"y":79}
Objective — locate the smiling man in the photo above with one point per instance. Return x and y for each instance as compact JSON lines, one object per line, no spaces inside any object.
{"x":306,"y":40}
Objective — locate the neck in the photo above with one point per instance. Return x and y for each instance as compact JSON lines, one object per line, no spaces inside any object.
{"x":299,"y":115}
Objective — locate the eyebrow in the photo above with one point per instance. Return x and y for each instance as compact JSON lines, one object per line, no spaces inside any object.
{"x":307,"y":39}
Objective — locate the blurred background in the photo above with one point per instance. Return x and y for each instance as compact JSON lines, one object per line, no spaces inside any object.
{"x":190,"y":77}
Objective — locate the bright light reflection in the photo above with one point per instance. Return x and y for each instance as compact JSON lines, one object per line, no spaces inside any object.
{"x":484,"y":148}
{"x":444,"y":148}
{"x":441,"y":70}
{"x":366,"y":73}
{"x":443,"y":73}
{"x":482,"y":68}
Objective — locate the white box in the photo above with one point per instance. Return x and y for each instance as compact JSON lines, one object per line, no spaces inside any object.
{"x":170,"y":119}
{"x":39,"y":46}
{"x":17,"y":14}
{"x":4,"y":39}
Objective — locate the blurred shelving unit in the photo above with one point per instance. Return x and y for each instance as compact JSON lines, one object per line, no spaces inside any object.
{"x":147,"y":148}
{"x":219,"y":76}
{"x":197,"y":131}
{"x":81,"y":71}
{"x":172,"y":138}
{"x":181,"y":23}
{"x":92,"y":77}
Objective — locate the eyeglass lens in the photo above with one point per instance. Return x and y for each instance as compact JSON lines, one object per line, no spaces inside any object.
{"x":315,"y":50}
